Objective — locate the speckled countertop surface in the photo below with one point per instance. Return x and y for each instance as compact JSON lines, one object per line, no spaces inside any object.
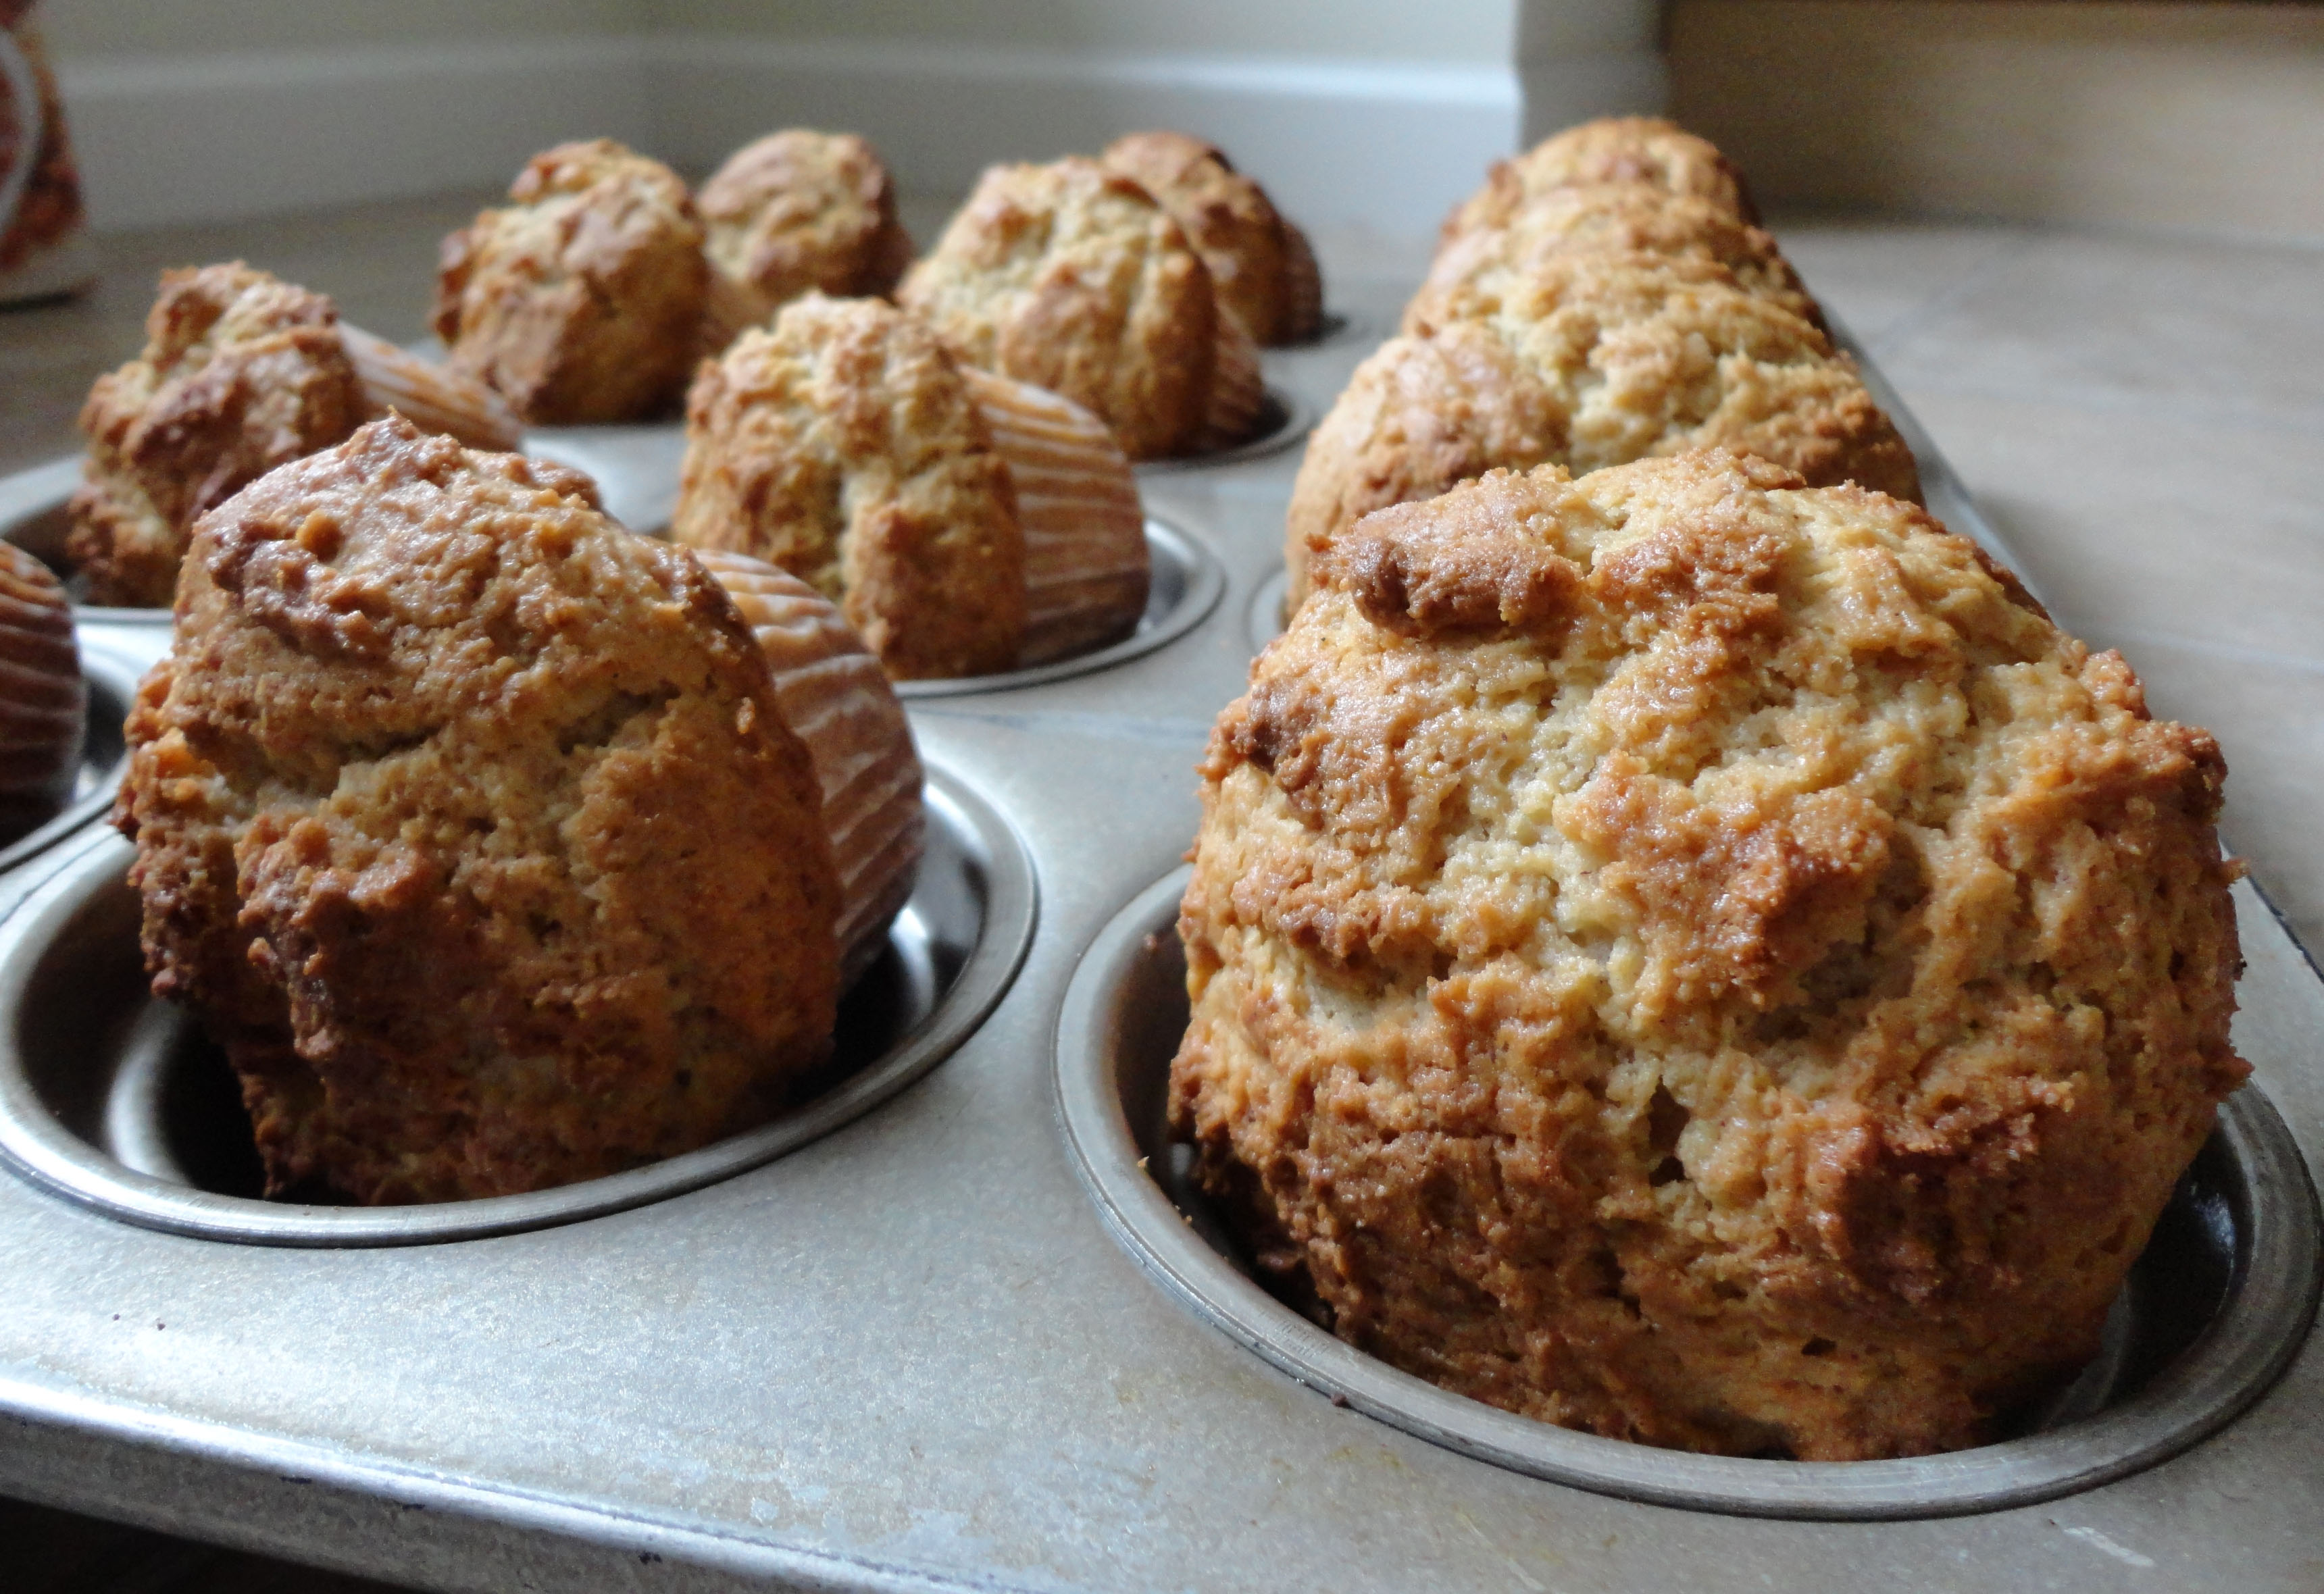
{"x":2132,"y":413}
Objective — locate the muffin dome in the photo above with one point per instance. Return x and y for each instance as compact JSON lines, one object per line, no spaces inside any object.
{"x":1474,"y":270}
{"x":1076,"y":280}
{"x":241,"y":372}
{"x":583,"y":300}
{"x":1601,"y":359}
{"x":1645,"y":151}
{"x":844,"y":445}
{"x":1703,"y":960}
{"x":1260,"y":265}
{"x":798,"y":211}
{"x":469,"y":825}
{"x":44,"y":700}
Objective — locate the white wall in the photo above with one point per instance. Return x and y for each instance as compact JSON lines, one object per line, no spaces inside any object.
{"x":1378,"y":113}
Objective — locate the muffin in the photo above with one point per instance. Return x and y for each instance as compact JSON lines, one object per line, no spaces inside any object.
{"x":836,"y":699}
{"x":847,"y":444}
{"x":43,"y":701}
{"x":583,"y":300}
{"x":469,"y":825}
{"x":1075,"y":279}
{"x":799,"y":211}
{"x":1645,"y":151}
{"x":1474,"y":270}
{"x":1759,"y":997}
{"x":241,"y":372}
{"x":1261,"y":267}
{"x":1616,"y":357}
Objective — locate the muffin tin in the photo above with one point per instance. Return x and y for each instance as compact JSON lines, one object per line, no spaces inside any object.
{"x":916,"y":1353}
{"x":114,"y":1097}
{"x":2215,"y":1308}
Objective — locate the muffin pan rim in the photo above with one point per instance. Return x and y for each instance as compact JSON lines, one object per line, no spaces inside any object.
{"x":1206,"y":583}
{"x":2259,"y":1331}
{"x":1299,"y":418}
{"x":41,"y":1151}
{"x":106,"y":670}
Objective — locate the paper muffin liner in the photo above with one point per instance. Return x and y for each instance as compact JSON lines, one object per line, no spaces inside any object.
{"x":1238,"y":388}
{"x":1087,"y":568}
{"x":434,"y":398}
{"x":1302,"y":289}
{"x":836,"y":699}
{"x":44,"y":700}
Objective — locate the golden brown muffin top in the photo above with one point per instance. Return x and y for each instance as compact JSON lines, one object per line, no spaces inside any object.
{"x":1659,"y":355}
{"x":1705,"y":959}
{"x":241,"y":370}
{"x":469,"y":822}
{"x":1648,"y":150}
{"x":1075,"y":279}
{"x":1226,"y":216}
{"x":798,"y":210}
{"x":842,"y":444}
{"x":581,"y":299}
{"x":1419,"y":415}
{"x":1608,"y":358}
{"x":1473,"y":270}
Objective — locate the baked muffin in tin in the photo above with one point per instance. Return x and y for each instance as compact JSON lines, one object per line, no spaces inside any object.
{"x":964,"y":522}
{"x":1702,"y":959}
{"x":582,"y":298}
{"x":795,"y":212}
{"x":1074,"y":278}
{"x":470,"y":825}
{"x":1261,"y":266}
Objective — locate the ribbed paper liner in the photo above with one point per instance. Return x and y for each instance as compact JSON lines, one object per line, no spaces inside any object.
{"x":1303,"y":288}
{"x":1086,"y":568}
{"x":836,"y":699}
{"x":43,"y":701}
{"x":1238,"y":388}
{"x":433,"y":398}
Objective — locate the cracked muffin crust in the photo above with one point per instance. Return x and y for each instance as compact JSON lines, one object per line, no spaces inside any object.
{"x":241,"y":372}
{"x":1475,"y":270}
{"x":800,"y":210}
{"x":1647,"y":151}
{"x":469,"y":825}
{"x":582,"y":299}
{"x":1601,"y":359}
{"x":844,"y":445}
{"x":1075,"y":279}
{"x":1702,"y":960}
{"x":1262,"y":269}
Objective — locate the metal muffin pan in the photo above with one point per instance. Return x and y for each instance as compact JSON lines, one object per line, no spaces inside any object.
{"x":913,"y":1355}
{"x":112,"y":682}
{"x":113,"y":1098}
{"x":2212,"y":1312}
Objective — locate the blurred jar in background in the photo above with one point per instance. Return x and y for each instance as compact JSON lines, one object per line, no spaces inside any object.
{"x":43,"y":236}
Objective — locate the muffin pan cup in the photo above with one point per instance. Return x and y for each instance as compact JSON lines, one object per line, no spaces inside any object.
{"x":110,"y":1096}
{"x":914,"y":1353}
{"x":2214,"y":1310}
